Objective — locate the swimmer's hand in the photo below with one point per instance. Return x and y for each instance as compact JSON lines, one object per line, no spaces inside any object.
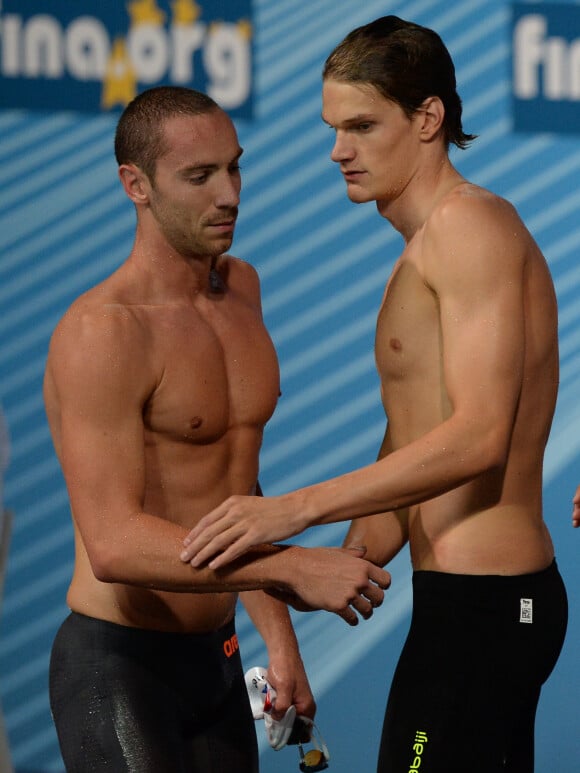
{"x":576,"y":510}
{"x":237,"y":525}
{"x":338,"y":580}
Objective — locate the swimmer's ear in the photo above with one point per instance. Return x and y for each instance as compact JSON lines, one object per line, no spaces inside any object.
{"x":135,"y":183}
{"x":431,"y":115}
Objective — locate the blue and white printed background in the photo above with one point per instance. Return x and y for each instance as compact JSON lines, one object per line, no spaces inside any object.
{"x":65,"y":224}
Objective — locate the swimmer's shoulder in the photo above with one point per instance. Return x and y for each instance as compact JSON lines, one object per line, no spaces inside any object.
{"x":240,"y":276}
{"x":236,"y":268}
{"x":103,"y":318}
{"x":472,"y":204}
{"x":471,"y":230}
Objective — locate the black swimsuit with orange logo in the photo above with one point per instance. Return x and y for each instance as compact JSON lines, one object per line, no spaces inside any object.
{"x":130,"y":700}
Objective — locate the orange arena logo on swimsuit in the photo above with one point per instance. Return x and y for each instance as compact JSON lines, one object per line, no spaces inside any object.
{"x":231,"y":646}
{"x":418,"y":749}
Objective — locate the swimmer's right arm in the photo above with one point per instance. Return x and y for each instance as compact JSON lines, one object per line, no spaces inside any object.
{"x":384,"y":534}
{"x":101,"y":388}
{"x":97,"y":383}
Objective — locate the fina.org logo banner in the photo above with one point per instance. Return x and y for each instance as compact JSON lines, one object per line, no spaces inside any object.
{"x":97,"y":55}
{"x":546,"y":67}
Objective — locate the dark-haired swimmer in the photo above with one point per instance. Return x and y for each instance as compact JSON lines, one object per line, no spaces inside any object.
{"x":158,"y":385}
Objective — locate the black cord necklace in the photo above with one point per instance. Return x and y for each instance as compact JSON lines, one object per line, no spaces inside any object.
{"x":216,"y":283}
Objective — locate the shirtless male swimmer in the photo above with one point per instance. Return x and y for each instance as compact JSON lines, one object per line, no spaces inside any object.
{"x":467,"y":353}
{"x":158,"y":384}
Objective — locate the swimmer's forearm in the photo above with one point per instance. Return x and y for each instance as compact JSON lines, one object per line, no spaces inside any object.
{"x":382,"y":535}
{"x":421,"y":470}
{"x":153,"y":562}
{"x":261,"y":568}
{"x":271,"y":618}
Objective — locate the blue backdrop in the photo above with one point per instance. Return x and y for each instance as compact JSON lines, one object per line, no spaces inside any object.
{"x":64,"y":224}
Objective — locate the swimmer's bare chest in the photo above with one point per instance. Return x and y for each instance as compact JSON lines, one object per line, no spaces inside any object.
{"x":214,"y":383}
{"x":443,"y":535}
{"x":213,"y":367}
{"x":409,"y":356}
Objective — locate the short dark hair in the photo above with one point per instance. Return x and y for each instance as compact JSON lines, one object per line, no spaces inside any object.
{"x":406,"y":63}
{"x":139,"y":136}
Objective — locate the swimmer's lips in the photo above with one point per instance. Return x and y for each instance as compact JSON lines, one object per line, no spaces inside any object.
{"x":352,"y":175}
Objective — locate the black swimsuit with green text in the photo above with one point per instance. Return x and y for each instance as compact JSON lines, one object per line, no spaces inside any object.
{"x":466,"y":688}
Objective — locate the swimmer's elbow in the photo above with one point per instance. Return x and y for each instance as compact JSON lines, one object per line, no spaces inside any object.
{"x":493,"y":450}
{"x":106,"y":563}
{"x":104,"y":572}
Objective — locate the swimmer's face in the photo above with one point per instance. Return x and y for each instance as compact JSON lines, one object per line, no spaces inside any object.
{"x":195,"y":194}
{"x":376,"y":144}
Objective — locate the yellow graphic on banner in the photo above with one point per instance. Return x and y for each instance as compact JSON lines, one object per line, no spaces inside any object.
{"x":156,"y":45}
{"x":145,"y":12}
{"x":245,"y":29}
{"x":185,"y":12}
{"x":120,"y":81}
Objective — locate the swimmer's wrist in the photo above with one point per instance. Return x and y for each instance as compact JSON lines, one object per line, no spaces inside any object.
{"x":274,"y":566}
{"x":301,"y":510}
{"x":288,"y":566}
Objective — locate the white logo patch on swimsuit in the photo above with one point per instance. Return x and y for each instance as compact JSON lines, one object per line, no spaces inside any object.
{"x":526,"y":610}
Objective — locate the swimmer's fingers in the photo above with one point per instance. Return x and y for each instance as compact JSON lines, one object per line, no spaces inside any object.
{"x":364,"y":604}
{"x":239,"y":523}
{"x":338,"y":580}
{"x":376,"y":593}
{"x":217,"y":534}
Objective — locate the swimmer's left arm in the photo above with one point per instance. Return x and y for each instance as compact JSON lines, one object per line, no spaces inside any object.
{"x":382,"y":535}
{"x":286,"y":672}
